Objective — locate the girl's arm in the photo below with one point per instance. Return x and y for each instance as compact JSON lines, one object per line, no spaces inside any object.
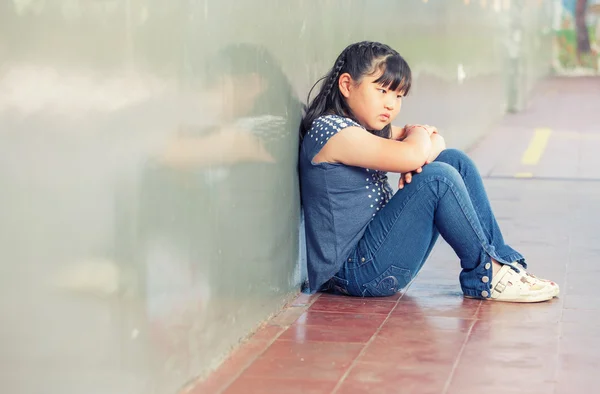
{"x":355,"y":146}
{"x":438,"y":144}
{"x":398,"y":133}
{"x":227,"y":146}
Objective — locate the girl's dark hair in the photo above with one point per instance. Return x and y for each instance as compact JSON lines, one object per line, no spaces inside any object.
{"x":358,"y":60}
{"x":245,"y":59}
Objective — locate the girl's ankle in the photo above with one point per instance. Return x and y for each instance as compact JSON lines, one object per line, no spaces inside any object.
{"x":495,"y":267}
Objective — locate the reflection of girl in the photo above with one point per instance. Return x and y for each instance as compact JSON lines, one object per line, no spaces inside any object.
{"x":219,"y":203}
{"x":362,"y":239}
{"x":247,"y":161}
{"x":256,"y":108}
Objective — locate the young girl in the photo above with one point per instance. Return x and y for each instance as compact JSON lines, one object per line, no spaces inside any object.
{"x":363,"y":240}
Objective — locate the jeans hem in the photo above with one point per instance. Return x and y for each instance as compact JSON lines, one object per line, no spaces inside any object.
{"x":472,"y":281}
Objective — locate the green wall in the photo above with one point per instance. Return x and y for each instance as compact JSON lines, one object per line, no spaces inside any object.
{"x":126,"y":269}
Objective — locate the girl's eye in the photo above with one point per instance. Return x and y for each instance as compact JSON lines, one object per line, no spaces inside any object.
{"x":382,"y":91}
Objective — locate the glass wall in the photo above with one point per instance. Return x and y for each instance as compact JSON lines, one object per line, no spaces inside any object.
{"x":149,"y":205}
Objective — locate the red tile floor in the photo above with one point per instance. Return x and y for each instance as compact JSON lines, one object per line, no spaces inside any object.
{"x":429,"y":339}
{"x":424,"y":343}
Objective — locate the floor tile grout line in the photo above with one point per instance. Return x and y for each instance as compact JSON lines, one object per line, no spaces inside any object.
{"x":311,"y":301}
{"x":560,"y":321}
{"x":248,"y":364}
{"x":349,"y":313}
{"x":361,"y":298}
{"x":332,"y":342}
{"x":377,"y":331}
{"x":269,"y":344}
{"x":557,"y":361}
{"x":366,"y":345}
{"x":542,"y":179}
{"x":460,"y":352}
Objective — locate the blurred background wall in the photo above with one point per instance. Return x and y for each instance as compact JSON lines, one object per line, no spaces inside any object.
{"x":576,"y":44}
{"x":149,"y":210}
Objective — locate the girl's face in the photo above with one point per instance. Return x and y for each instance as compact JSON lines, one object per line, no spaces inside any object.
{"x":373,"y":105}
{"x":235,"y":96}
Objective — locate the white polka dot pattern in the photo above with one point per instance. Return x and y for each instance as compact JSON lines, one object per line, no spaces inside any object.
{"x":377,"y":190}
{"x":327,"y":126}
{"x":338,"y":201}
{"x":380,"y":191}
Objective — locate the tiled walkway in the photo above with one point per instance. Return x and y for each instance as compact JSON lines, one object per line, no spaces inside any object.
{"x":430,"y":339}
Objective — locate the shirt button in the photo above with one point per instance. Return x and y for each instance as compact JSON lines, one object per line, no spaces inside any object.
{"x":487,"y":266}
{"x":485,"y":279}
{"x":362,"y":259}
{"x":350,"y":260}
{"x":485,"y":293}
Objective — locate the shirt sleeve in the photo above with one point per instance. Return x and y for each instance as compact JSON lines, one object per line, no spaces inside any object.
{"x":322,"y":129}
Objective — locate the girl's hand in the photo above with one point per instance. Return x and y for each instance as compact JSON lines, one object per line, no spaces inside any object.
{"x":407,"y":178}
{"x":430,"y":129}
{"x":411,"y":128}
{"x":438,"y":144}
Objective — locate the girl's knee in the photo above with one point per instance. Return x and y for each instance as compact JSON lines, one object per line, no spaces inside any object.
{"x":453,"y":154}
{"x":441,"y":169}
{"x":455,"y":157}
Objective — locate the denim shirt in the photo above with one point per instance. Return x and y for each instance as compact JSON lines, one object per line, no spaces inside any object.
{"x":338,"y":200}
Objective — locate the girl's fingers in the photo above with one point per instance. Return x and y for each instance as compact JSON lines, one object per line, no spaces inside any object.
{"x":407,"y":178}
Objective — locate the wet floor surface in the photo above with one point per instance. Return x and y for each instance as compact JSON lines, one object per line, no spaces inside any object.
{"x":542,"y":172}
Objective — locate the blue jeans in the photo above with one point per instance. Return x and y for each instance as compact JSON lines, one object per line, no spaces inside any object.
{"x":447,"y":198}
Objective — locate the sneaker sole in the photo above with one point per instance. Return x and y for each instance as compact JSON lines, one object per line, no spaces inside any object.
{"x":542,"y":297}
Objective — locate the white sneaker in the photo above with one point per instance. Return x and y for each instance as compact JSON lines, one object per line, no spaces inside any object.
{"x":553,"y":285}
{"x":509,"y":285}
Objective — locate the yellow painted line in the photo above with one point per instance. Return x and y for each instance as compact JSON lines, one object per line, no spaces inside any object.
{"x":523,"y":175}
{"x":537,"y":146}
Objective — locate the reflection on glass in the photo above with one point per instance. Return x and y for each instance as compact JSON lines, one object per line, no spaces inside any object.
{"x":218,"y":214}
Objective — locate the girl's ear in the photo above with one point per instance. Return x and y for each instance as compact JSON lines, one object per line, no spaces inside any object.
{"x":345,"y":83}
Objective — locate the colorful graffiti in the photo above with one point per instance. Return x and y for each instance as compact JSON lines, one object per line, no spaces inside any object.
{"x":577,"y":37}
